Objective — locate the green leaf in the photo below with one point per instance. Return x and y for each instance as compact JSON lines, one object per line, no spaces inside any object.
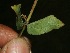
{"x":16,"y":8}
{"x":19,"y":21}
{"x":44,"y":25}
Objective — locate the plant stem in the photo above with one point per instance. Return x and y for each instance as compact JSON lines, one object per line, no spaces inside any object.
{"x":24,"y":26}
{"x":29,"y":16}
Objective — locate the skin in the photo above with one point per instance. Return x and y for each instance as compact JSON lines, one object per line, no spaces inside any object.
{"x":11,"y":43}
{"x":6,"y":34}
{"x":17,"y":45}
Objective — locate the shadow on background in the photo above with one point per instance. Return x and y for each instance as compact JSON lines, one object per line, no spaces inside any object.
{"x":56,"y":41}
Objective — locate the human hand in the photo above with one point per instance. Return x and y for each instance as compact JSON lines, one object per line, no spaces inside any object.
{"x":12,"y":45}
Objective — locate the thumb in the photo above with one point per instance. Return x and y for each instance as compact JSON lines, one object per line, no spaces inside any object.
{"x":17,"y":45}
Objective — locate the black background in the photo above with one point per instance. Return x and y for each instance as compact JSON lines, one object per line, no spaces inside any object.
{"x":56,"y":41}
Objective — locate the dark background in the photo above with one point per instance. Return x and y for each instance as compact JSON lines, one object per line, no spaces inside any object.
{"x":56,"y":41}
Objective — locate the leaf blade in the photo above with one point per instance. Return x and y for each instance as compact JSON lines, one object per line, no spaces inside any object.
{"x":19,"y":21}
{"x":44,"y":25}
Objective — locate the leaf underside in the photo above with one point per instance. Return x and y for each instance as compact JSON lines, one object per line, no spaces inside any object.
{"x":44,"y":25}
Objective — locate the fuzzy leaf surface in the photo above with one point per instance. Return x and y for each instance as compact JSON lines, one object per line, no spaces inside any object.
{"x":44,"y":25}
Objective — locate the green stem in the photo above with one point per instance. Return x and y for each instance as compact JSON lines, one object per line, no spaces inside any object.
{"x":24,"y":26}
{"x":33,"y":7}
{"x":29,"y":16}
